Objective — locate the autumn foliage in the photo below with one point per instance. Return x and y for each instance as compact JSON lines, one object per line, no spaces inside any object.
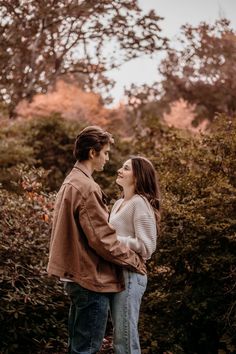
{"x":185,"y":124}
{"x":189,"y":304}
{"x":68,"y":100}
{"x":27,"y":294}
{"x":46,"y":40}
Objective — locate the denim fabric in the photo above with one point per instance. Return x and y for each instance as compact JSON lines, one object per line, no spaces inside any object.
{"x":87,"y":319}
{"x":125,"y":314}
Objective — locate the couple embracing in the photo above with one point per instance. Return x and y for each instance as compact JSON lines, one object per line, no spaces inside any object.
{"x":101,"y":257}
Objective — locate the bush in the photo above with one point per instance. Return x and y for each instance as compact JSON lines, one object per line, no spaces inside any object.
{"x":190,"y":303}
{"x":189,"y":306}
{"x":33,"y":307}
{"x":43,"y":142}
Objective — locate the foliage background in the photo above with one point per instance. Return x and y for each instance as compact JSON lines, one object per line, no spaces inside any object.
{"x":189,"y":306}
{"x":184,"y":124}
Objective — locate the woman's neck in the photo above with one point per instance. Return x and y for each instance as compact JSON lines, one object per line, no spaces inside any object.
{"x":128,"y":193}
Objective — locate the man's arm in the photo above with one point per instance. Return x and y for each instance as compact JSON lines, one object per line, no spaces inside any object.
{"x":101,"y":236}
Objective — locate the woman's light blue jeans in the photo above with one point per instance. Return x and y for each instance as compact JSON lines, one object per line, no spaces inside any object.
{"x":125,"y":313}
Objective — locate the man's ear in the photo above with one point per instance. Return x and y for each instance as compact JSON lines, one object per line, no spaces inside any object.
{"x":92,"y":153}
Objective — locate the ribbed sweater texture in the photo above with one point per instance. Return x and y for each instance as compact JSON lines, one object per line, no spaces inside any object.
{"x":135,"y":224}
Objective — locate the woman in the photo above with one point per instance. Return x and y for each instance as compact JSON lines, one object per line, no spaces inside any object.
{"x":136,"y":220}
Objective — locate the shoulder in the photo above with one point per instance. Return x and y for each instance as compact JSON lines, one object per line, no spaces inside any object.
{"x":142,"y":205}
{"x":81,"y":183}
{"x":139,"y":200}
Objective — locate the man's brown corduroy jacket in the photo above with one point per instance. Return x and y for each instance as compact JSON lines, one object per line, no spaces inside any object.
{"x":83,"y":246}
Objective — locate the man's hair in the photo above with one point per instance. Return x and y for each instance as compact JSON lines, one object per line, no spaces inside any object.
{"x":92,"y":137}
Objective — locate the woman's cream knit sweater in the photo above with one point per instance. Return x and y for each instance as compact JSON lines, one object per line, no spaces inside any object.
{"x":135,"y":225}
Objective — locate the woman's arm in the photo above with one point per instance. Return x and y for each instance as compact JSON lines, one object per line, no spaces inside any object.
{"x":145,"y":228}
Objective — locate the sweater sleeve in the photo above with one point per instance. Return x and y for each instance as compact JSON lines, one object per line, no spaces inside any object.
{"x":102,"y":237}
{"x":145,"y":238}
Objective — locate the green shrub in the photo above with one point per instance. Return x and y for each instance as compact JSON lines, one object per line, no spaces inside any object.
{"x":52,"y":140}
{"x":189,"y":306}
{"x":41,"y":142}
{"x":33,"y":307}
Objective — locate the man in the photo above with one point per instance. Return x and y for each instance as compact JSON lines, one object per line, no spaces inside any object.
{"x":84,"y":248}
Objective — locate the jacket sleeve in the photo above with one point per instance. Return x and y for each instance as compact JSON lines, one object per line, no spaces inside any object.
{"x":93,"y":218}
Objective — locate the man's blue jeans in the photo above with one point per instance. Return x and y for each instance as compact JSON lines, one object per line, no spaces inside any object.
{"x":125,"y":314}
{"x":87,"y":319}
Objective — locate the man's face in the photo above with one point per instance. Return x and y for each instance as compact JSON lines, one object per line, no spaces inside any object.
{"x":100,"y":159}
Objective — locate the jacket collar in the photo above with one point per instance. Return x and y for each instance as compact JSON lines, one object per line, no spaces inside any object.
{"x":82,"y":168}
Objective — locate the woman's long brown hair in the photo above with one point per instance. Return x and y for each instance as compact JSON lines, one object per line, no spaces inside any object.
{"x":146,"y":183}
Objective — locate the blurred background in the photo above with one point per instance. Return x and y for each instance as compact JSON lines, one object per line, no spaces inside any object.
{"x":161,"y":77}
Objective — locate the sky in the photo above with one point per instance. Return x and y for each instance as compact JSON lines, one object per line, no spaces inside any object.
{"x":175,"y":13}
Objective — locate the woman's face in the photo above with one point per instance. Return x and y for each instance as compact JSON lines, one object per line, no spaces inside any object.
{"x":125,"y":177}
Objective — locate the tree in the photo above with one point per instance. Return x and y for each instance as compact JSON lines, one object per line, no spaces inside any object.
{"x":68,"y":100}
{"x":42,"y":40}
{"x":203,"y":71}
